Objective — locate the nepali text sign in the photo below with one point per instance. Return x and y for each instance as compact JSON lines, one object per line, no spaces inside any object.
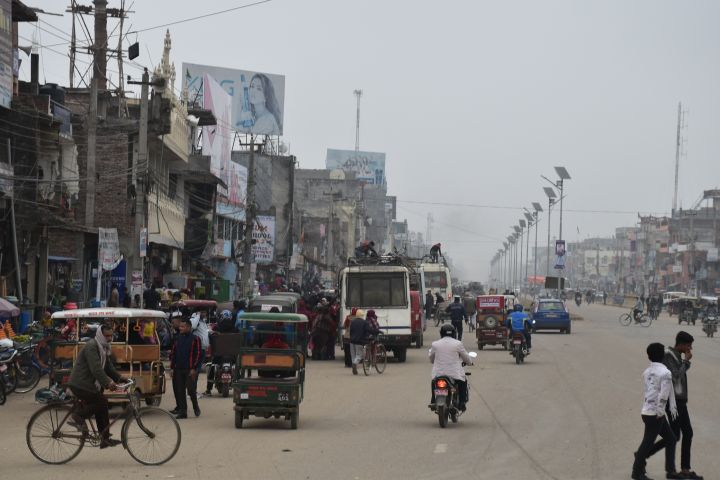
{"x":263,"y":236}
{"x":367,"y":166}
{"x":108,"y":248}
{"x":258,"y":99}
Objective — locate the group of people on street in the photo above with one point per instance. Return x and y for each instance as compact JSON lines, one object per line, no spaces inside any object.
{"x":665,"y":409}
{"x":360,"y":329}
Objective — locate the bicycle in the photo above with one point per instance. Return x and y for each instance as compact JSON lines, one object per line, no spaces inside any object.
{"x":151,"y":435}
{"x":374,"y":355}
{"x":627,"y":318}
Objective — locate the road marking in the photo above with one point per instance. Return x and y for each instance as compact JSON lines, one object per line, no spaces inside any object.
{"x":440,"y":448}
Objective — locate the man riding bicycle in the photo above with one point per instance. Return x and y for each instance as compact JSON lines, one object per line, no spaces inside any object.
{"x":638,"y":309}
{"x":94,"y":371}
{"x":361,"y":333}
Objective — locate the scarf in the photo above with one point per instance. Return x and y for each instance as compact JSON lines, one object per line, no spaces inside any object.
{"x":103,"y":349}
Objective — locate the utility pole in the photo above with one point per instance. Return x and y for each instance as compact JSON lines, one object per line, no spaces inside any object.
{"x":91,"y":122}
{"x":140,"y":172}
{"x":247,"y":281}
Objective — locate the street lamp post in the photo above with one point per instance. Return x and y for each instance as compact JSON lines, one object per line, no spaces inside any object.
{"x":524,"y":232}
{"x":518,"y":262}
{"x":551,"y":201}
{"x":564,"y":175}
{"x":531,"y":222}
{"x":538,"y":208}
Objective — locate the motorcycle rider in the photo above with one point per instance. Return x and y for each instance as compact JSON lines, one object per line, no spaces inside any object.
{"x":224,"y":325}
{"x":578,"y":298}
{"x":519,"y":321}
{"x":447,"y":356}
{"x":457,"y":315}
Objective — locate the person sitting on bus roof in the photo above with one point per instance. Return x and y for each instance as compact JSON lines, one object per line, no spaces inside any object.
{"x":366,"y":249}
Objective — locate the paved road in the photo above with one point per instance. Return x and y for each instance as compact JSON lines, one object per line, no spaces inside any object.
{"x":570,"y":412}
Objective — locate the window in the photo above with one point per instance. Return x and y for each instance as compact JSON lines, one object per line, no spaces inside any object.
{"x":376,"y":290}
{"x":436,"y":279}
{"x":172,"y":188}
{"x":551,"y":307}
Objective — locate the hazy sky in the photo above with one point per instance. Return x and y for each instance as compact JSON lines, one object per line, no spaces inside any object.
{"x":472,"y":100}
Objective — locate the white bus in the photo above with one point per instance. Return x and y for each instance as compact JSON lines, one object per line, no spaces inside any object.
{"x":437,"y":280}
{"x":384,"y":288}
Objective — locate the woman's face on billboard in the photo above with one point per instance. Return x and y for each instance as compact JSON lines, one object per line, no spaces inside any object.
{"x":257,"y":95}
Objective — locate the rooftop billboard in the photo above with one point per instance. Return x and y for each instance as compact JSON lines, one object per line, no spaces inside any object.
{"x":367,"y":166}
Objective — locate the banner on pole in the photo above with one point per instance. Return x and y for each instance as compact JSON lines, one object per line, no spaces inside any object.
{"x":108,"y":248}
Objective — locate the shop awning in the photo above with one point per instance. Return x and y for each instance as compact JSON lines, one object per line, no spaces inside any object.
{"x":53,"y":258}
{"x":7,"y":309}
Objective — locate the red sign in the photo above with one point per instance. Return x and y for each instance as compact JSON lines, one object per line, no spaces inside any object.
{"x":490,"y":301}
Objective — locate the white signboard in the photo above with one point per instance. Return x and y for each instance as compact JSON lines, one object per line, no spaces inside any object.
{"x":108,"y":248}
{"x":258,"y":99}
{"x":264,"y":237}
{"x":367,"y":166}
{"x":712,"y":254}
{"x":677,"y":268}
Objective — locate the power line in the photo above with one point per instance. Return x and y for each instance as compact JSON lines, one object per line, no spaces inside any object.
{"x":198,"y":17}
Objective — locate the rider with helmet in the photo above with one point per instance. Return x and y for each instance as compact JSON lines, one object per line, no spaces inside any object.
{"x":447,"y":356}
{"x":225,"y":324}
{"x":519,"y":321}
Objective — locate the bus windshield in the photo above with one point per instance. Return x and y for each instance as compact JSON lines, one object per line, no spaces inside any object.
{"x":436,"y":279}
{"x":376,"y":290}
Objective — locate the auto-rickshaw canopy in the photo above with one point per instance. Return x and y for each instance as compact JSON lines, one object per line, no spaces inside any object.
{"x":108,"y":312}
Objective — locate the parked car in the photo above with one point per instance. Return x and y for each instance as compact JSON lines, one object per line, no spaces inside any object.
{"x":551,"y":314}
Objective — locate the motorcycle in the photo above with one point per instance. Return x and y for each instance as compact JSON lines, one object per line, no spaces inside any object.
{"x":519,"y":347}
{"x":17,"y":374}
{"x":223,"y":378}
{"x":578,"y":301}
{"x":710,"y":323}
{"x":447,"y":397}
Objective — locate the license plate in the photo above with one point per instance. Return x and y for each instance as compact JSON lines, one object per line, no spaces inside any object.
{"x":517,"y":342}
{"x":226,"y":377}
{"x":551,"y":316}
{"x":441,"y":392}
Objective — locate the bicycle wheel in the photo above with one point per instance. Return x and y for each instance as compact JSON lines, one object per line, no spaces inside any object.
{"x":152,"y":436}
{"x":9,"y":378}
{"x":28,"y":376}
{"x":367,"y":360}
{"x":380,"y":358}
{"x":625,"y":319}
{"x":50,"y":438}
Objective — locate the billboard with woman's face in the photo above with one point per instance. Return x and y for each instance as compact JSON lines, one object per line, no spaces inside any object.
{"x":258,"y":99}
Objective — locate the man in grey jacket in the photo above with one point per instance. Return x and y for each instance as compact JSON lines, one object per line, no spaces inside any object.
{"x":94,"y":371}
{"x":681,"y":426}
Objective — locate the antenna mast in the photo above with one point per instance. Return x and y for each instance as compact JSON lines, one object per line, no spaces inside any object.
{"x":678,"y":152}
{"x":358,"y":93}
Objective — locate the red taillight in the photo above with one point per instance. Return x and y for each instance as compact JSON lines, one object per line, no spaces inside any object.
{"x":441,"y":384}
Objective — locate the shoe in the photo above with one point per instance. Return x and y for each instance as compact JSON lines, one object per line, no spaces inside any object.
{"x":640,"y":476}
{"x":675,"y":475}
{"x":208,"y":393}
{"x":354,"y":368}
{"x":196,"y":410}
{"x":180,"y":416}
{"x":692,"y":475}
{"x":109,"y":442}
{"x":174,"y":411}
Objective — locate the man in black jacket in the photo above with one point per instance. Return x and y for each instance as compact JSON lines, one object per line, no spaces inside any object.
{"x":360,"y":332}
{"x":681,"y":425}
{"x":185,"y":361}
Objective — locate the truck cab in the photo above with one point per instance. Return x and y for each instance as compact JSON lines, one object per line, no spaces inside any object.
{"x":383,"y":286}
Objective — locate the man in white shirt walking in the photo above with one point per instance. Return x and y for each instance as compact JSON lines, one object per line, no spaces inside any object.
{"x":657,"y":381}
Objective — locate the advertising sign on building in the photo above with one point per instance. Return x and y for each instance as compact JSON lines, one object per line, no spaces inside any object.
{"x":712,"y":254}
{"x":264,"y":239}
{"x":143,"y":242}
{"x":6,"y":53}
{"x":367,"y":166}
{"x":108,"y":248}
{"x":258,"y":99}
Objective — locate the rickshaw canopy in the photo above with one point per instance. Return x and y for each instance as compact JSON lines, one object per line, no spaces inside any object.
{"x":109,"y":312}
{"x":201,"y":304}
{"x":274,"y":317}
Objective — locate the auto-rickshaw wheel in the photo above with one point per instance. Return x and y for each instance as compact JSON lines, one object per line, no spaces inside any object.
{"x":294,"y":419}
{"x":239,"y":417}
